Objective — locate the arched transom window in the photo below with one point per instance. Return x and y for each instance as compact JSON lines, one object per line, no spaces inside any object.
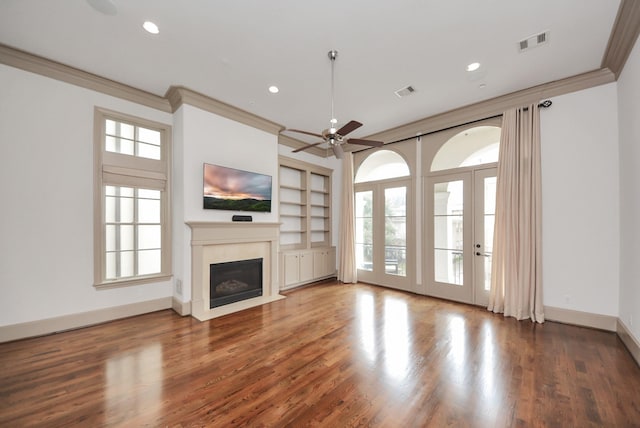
{"x":382,"y":165}
{"x":475,"y":146}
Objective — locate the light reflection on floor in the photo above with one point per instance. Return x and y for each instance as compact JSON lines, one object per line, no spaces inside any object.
{"x":492,"y":388}
{"x":366,"y":315}
{"x":134,"y":382}
{"x":396,"y":338}
{"x":458,"y":352}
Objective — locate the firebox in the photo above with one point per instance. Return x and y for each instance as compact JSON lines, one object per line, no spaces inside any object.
{"x":231,"y":282}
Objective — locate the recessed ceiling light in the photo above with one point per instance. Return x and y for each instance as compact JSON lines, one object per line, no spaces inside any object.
{"x":473,"y":66}
{"x":150,"y":27}
{"x":274,"y":89}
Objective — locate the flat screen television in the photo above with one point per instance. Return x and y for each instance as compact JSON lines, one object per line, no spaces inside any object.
{"x":236,"y":190}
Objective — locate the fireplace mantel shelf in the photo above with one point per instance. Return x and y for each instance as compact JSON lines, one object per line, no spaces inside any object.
{"x":230,"y":224}
{"x":211,"y":233}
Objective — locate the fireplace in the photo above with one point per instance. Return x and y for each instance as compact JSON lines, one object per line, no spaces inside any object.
{"x":223,"y":242}
{"x":234,"y":281}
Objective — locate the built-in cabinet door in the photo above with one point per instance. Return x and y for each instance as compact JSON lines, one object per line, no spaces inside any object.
{"x":324,"y":262}
{"x":291,"y":269}
{"x":299,"y":267}
{"x":320,"y":263}
{"x":306,"y":266}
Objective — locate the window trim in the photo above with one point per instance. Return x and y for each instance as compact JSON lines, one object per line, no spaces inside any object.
{"x":107,"y":163}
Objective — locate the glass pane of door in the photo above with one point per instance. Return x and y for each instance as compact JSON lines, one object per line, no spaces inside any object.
{"x":364,"y":230}
{"x":448,"y":232}
{"x":489,"y":221}
{"x":484,"y":217}
{"x":395,"y":225}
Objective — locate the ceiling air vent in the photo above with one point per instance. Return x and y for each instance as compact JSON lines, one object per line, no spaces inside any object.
{"x":407,"y":90}
{"x":533,"y":41}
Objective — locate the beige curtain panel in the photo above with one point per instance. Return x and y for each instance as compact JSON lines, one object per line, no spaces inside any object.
{"x":347,"y":270}
{"x":516,"y":273}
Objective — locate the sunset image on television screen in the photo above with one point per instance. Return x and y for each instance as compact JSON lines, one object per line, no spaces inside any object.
{"x":237,"y":190}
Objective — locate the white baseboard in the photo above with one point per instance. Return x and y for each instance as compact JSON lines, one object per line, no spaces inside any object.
{"x":83,"y":319}
{"x":181,"y":308}
{"x":629,"y":340}
{"x":579,"y":318}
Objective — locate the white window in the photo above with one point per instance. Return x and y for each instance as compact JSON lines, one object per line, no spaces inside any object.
{"x":475,"y":146}
{"x":132,"y":210}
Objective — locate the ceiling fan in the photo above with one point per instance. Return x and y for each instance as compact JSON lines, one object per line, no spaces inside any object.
{"x":335,"y":137}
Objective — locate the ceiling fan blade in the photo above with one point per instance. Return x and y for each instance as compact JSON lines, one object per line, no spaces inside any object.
{"x":307,"y":147}
{"x":349,"y":127}
{"x":306,"y":132}
{"x":337,"y":150}
{"x":365,"y":142}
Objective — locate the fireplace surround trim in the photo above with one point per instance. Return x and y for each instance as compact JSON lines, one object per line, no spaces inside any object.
{"x":253,"y":239}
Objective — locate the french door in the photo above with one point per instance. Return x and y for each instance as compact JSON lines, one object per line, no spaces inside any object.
{"x":460,"y":220}
{"x":381,"y":233}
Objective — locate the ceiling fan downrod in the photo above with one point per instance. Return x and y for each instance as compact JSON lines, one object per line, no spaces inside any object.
{"x":332,"y":54}
{"x":333,"y":136}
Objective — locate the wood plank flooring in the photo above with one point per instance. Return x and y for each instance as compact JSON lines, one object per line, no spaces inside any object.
{"x":329,"y":355}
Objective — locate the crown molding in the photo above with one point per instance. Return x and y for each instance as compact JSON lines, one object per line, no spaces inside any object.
{"x":623,"y":36}
{"x":285,"y":140}
{"x":56,"y":70}
{"x":178,"y":95}
{"x":495,"y":106}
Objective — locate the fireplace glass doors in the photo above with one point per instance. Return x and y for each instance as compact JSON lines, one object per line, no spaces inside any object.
{"x":231,"y":282}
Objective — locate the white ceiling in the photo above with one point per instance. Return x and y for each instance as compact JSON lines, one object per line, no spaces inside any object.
{"x":232,"y":50}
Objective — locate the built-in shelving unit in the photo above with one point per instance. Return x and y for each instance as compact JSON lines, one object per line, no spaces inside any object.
{"x":320,"y":209}
{"x":306,"y":254}
{"x":305,"y":205}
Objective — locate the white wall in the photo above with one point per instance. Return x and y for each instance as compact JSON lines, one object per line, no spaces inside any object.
{"x":46,"y":189}
{"x":629,"y":123}
{"x":203,"y":137}
{"x":580,"y":201}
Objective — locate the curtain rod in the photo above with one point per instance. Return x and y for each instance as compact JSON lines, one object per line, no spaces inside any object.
{"x":543,"y":104}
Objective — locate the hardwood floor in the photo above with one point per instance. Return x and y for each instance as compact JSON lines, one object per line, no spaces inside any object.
{"x":329,"y":355}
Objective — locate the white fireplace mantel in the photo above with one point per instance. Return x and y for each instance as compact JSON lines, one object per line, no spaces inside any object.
{"x":217,"y":242}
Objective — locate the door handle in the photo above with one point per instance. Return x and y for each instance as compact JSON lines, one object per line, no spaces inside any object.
{"x":480,"y":254}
